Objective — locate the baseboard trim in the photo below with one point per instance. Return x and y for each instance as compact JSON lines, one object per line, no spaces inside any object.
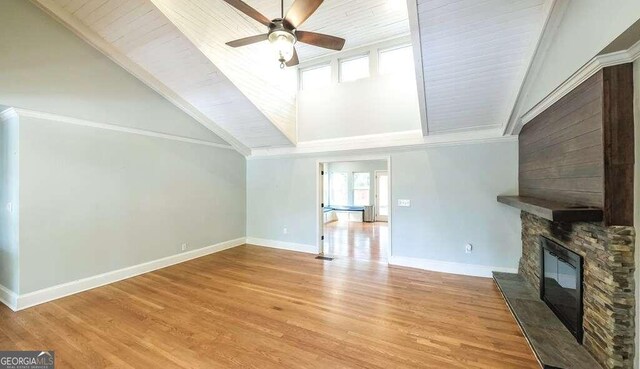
{"x":8,"y":297}
{"x":291,"y":246}
{"x":52,"y":293}
{"x":474,"y":270}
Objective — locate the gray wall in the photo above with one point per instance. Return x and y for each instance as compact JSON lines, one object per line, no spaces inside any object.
{"x":350,"y":167}
{"x":94,"y":200}
{"x":9,"y":253}
{"x":45,"y":67}
{"x":452,"y":190}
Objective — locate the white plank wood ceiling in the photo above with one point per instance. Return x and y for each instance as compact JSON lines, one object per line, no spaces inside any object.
{"x":360,"y":22}
{"x":474,"y":55}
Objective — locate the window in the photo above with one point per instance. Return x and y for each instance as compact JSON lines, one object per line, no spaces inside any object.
{"x":361,"y":187}
{"x":396,"y":60}
{"x":354,"y":68}
{"x":315,"y":77}
{"x":339,"y":193}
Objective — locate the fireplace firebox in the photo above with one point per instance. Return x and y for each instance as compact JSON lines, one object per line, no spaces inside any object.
{"x":561,"y":285}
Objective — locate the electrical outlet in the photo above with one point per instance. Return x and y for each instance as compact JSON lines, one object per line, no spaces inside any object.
{"x":468,"y":248}
{"x":404,"y":203}
{"x":285,"y":230}
{"x":184,"y":247}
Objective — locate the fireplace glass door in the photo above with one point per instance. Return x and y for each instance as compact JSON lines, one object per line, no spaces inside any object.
{"x":561,"y":287}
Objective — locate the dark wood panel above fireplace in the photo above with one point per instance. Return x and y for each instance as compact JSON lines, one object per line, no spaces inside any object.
{"x":580,"y":150}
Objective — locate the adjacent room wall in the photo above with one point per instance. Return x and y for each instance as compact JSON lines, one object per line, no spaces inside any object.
{"x":45,"y":67}
{"x":453,"y":202}
{"x":350,"y":167}
{"x":96,"y":200}
{"x":586,"y":28}
{"x":9,"y":252}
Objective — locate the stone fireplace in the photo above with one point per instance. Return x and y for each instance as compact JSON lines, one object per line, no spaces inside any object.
{"x":576,"y":189}
{"x":608,"y":281}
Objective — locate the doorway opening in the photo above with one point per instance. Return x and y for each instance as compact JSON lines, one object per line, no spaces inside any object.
{"x":354,"y":209}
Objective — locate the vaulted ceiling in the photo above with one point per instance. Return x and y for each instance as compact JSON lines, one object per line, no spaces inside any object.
{"x":475,"y":54}
{"x":472,"y":56}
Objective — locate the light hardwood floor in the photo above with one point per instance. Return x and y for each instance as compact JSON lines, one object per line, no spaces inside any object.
{"x":360,"y":240}
{"x":256,"y":307}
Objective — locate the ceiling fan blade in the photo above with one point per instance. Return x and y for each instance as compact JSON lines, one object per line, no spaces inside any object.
{"x":246,"y":9}
{"x":300,"y":11}
{"x":318,"y":39}
{"x":248,"y":40}
{"x":294,"y":59}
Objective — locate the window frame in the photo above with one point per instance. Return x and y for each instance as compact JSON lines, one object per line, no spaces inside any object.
{"x":354,"y":189}
{"x":392,"y":48}
{"x":366,"y":54}
{"x":313,"y":67}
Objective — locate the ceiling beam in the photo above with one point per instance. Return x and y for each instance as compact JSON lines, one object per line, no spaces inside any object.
{"x":414,"y":27}
{"x":554,"y":17}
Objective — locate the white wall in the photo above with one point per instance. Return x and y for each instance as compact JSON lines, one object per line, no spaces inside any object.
{"x":95,"y":200}
{"x":636,"y":195}
{"x":587,"y":27}
{"x":452,"y":190}
{"x":44,"y":67}
{"x":9,"y":252}
{"x":374,"y":105}
{"x":350,"y":167}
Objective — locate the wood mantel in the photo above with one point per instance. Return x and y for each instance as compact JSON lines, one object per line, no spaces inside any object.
{"x":553,"y":210}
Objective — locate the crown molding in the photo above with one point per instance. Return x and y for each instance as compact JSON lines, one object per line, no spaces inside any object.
{"x":20,"y":113}
{"x":382,"y":143}
{"x":85,"y":33}
{"x":584,"y":73}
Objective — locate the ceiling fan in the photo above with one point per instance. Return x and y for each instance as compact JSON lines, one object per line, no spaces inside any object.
{"x":283,"y":32}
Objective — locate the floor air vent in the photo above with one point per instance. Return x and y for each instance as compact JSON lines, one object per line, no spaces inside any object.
{"x":320,"y":257}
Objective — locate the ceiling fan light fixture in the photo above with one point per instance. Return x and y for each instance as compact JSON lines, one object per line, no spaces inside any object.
{"x":282,"y":43}
{"x":283,"y":32}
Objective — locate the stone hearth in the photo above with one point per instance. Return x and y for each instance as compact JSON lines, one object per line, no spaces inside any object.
{"x":609,"y":301}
